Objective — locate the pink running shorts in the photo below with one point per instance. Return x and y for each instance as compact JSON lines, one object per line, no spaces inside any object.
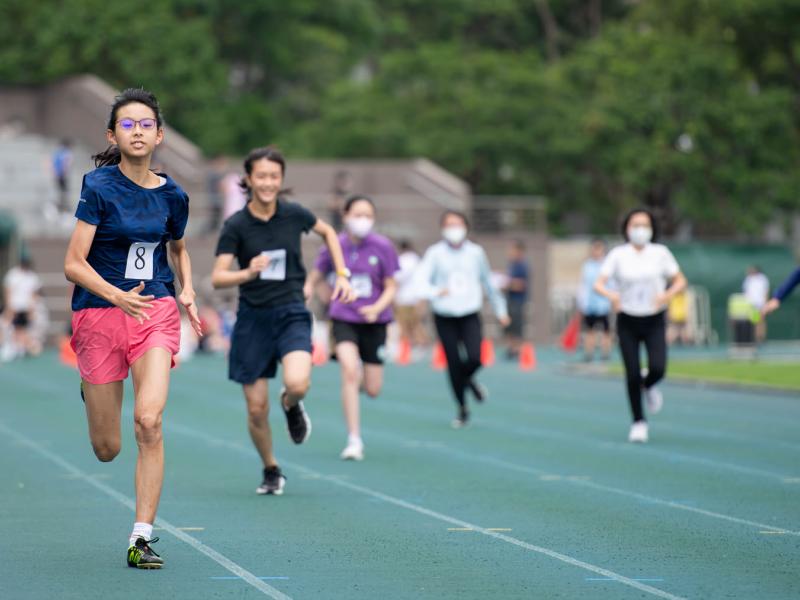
{"x":107,"y":341}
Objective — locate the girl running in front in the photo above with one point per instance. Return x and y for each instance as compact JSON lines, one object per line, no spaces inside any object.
{"x":450,"y":276}
{"x":124,"y":311}
{"x":272,"y":323}
{"x":359,"y":329}
{"x":641,"y":269}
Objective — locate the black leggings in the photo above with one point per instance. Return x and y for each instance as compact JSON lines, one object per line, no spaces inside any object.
{"x":631,"y":332}
{"x":456,"y":333}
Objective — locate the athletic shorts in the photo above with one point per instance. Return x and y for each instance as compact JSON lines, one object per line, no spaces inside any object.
{"x":369,"y":337}
{"x":592,"y":322}
{"x":20,"y":320}
{"x":107,"y":341}
{"x":263,"y":335}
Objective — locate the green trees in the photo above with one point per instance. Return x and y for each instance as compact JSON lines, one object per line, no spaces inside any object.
{"x":690,"y":106}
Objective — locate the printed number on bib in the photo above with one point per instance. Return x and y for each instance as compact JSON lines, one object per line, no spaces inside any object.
{"x":362,"y":285}
{"x":276,"y":269}
{"x":140,"y":261}
{"x":458,"y":283}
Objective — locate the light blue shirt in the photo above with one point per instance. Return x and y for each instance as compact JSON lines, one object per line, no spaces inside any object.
{"x":461,"y":272}
{"x":590,"y":302}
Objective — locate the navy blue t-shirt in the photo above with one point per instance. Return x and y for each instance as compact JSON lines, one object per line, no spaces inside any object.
{"x":134,"y":225}
{"x":518,"y":269}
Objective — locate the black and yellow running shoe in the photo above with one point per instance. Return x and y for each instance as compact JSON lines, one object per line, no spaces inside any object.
{"x":142,"y":556}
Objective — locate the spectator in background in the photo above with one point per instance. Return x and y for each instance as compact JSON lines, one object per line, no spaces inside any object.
{"x":594,"y":308}
{"x":516,"y":297}
{"x":216,"y":197}
{"x":342,"y":189}
{"x":61,"y":162}
{"x":408,"y":306}
{"x":21,"y":291}
{"x":679,"y":327}
{"x":756,"y":289}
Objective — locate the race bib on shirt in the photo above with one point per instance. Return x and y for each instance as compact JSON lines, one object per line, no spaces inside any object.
{"x":362,"y":285}
{"x":140,"y":261}
{"x":458,"y":284}
{"x":276,"y":268}
{"x":639,"y":297}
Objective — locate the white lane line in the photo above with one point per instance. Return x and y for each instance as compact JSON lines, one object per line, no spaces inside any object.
{"x":614,"y":490}
{"x":528,"y":431}
{"x":223,"y":561}
{"x":190,"y":432}
{"x":574,"y":480}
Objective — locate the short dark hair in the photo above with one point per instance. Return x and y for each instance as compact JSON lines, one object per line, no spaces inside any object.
{"x":357,"y":198}
{"x":653,"y":222}
{"x":272,"y":154}
{"x":456,"y":213}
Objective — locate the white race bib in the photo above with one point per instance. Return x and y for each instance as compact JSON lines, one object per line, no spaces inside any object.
{"x":276,"y":269}
{"x":458,"y":283}
{"x":362,"y":285}
{"x":140,"y":261}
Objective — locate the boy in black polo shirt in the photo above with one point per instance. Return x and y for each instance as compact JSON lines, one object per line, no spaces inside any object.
{"x":272,"y":323}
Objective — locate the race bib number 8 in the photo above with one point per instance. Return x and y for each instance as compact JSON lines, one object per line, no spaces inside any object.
{"x":140,"y":261}
{"x":276,"y":269}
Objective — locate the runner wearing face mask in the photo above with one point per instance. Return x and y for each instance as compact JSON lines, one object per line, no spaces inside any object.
{"x":641,"y":269}
{"x":359,"y":328}
{"x":450,"y":276}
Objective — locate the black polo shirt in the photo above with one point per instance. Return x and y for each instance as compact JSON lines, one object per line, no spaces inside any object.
{"x":245,"y":236}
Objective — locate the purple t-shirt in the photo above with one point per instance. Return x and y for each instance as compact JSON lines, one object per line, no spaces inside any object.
{"x":370,"y":262}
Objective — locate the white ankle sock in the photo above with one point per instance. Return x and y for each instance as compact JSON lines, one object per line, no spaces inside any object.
{"x":354,"y":439}
{"x":144,"y":530}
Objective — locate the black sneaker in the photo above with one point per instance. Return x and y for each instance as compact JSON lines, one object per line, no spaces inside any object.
{"x":479,"y":391}
{"x":296,"y":420}
{"x":462,"y":420}
{"x":273,"y":482}
{"x":82,"y":396}
{"x":142,"y":556}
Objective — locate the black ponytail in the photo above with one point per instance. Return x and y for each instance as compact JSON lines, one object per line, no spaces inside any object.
{"x":112,"y":155}
{"x":109,"y":156}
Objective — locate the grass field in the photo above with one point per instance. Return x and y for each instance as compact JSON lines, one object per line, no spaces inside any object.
{"x":779,"y":375}
{"x":541,"y":497}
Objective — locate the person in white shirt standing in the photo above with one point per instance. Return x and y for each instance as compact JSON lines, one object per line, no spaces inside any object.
{"x":647,"y":276}
{"x":450,"y":276}
{"x":756,"y":289}
{"x":22,"y":287}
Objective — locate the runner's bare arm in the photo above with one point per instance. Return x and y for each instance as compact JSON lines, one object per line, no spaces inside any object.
{"x":222,"y":276}
{"x":342,"y":290}
{"x":183,"y":269}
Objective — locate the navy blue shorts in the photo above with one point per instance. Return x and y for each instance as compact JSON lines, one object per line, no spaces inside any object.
{"x":262,"y":336}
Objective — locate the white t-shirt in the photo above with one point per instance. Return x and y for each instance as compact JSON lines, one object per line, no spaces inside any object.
{"x":21,"y":286}
{"x":407,"y":294}
{"x":756,"y":289}
{"x":640,"y":276}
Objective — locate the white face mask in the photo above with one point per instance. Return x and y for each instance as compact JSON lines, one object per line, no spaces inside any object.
{"x":639,"y":236}
{"x":359,"y":226}
{"x":454,"y":234}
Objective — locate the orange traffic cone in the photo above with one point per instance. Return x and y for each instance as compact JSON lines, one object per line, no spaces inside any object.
{"x":571,"y":334}
{"x":319,"y":354}
{"x":404,"y":352}
{"x":487,"y":352}
{"x":439,"y":361}
{"x":527,"y":357}
{"x":66,"y":354}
